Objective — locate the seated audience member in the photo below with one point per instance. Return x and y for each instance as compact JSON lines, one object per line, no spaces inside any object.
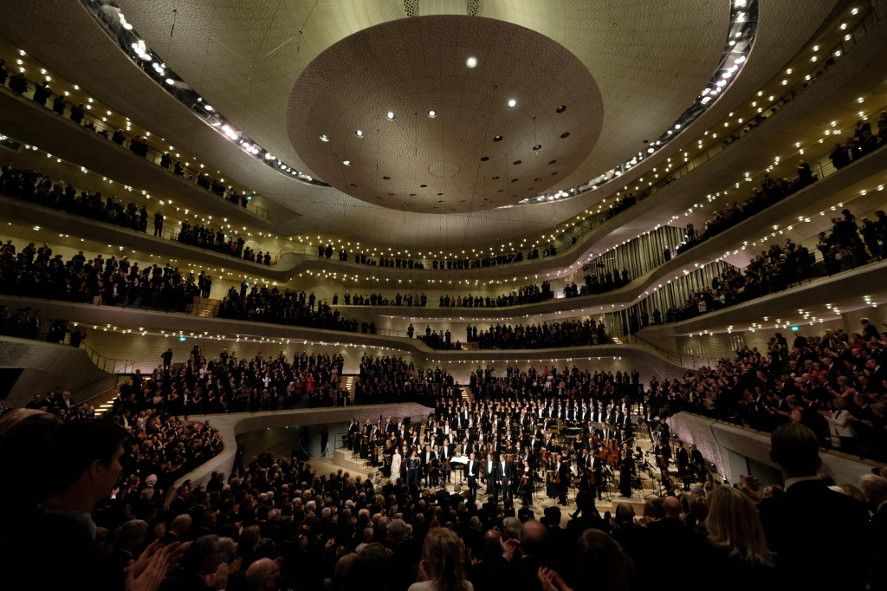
{"x":816,"y":534}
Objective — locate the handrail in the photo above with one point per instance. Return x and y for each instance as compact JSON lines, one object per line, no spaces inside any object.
{"x":107,"y":364}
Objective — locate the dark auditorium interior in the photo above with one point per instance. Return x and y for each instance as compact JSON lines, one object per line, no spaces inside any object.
{"x":443,"y":295}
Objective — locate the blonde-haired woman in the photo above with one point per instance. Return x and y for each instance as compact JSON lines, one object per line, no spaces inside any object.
{"x":442,"y":567}
{"x":740,"y":557}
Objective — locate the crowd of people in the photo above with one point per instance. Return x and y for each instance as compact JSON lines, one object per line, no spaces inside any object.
{"x":442,"y":340}
{"x":377,"y":299}
{"x":35,"y":187}
{"x":835,"y":384}
{"x":136,"y":144}
{"x":230,"y":384}
{"x":206,"y":237}
{"x":569,"y":333}
{"x":862,"y":142}
{"x":769,"y":192}
{"x":275,"y":523}
{"x":598,"y":282}
{"x":270,"y":304}
{"x":392,"y":379}
{"x":35,"y":272}
{"x":527,"y":294}
{"x":845,"y":247}
{"x":87,"y":515}
{"x":25,"y":323}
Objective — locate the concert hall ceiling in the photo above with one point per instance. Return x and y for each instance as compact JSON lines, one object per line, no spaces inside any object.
{"x":485,"y":103}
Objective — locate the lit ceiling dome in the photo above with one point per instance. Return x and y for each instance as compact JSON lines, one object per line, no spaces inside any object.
{"x":497,"y":134}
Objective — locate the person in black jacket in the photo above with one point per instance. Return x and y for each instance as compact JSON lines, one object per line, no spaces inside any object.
{"x":815,"y":533}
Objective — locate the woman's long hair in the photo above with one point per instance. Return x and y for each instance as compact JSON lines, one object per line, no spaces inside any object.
{"x":444,"y":556}
{"x":733,"y":523}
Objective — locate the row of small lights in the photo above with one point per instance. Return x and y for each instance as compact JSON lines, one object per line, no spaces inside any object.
{"x":724,"y":76}
{"x":524,"y":361}
{"x":807,"y":317}
{"x":712,"y":197}
{"x":90,"y":102}
{"x":578,"y":312}
{"x":238,"y":338}
{"x":164,"y":202}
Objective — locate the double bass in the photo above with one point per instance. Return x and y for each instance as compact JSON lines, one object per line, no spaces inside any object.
{"x":614,"y":457}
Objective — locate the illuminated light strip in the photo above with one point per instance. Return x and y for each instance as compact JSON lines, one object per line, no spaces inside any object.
{"x":140,"y":54}
{"x":741,"y":34}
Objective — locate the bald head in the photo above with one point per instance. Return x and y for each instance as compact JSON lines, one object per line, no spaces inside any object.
{"x":532,"y":537}
{"x":262,"y":574}
{"x":672,"y":506}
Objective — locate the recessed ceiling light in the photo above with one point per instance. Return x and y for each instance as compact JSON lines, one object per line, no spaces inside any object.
{"x":346,"y":162}
{"x":567,"y":134}
{"x":324,"y":137}
{"x":484,"y":158}
{"x":471,"y":62}
{"x":432,"y":114}
{"x":537,"y":147}
{"x":358,"y":132}
{"x":170,"y":81}
{"x":512,"y":103}
{"x":389,"y":115}
{"x":497,"y":138}
{"x":561,"y":109}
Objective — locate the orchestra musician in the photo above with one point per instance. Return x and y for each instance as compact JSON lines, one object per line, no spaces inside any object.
{"x":504,"y":476}
{"x":472,"y":470}
{"x":564,"y":476}
{"x":489,"y":473}
{"x":429,"y":466}
{"x":626,"y":473}
{"x":413,"y":466}
{"x":526,"y":484}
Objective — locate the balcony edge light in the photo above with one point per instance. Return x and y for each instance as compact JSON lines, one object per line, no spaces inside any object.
{"x":135,"y":48}
{"x":738,"y":44}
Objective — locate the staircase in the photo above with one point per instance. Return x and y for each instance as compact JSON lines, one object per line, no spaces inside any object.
{"x":104,"y":401}
{"x":343,"y":458}
{"x":346,"y":384}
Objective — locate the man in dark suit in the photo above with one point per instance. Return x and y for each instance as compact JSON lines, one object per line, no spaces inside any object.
{"x":471,"y":471}
{"x":503,"y":479}
{"x":489,"y":471}
{"x":56,"y":547}
{"x":444,"y":457}
{"x":429,"y":466}
{"x":817,"y":534}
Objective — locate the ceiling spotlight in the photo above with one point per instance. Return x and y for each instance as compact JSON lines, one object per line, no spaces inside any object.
{"x":512,"y":103}
{"x":561,"y":109}
{"x":432,"y":114}
{"x":390,"y":115}
{"x":358,"y":132}
{"x":324,"y":137}
{"x":346,"y":162}
{"x":537,"y":146}
{"x":170,"y":81}
{"x":471,"y":62}
{"x":497,"y":138}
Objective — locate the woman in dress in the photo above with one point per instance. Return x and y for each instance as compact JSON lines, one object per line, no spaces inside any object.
{"x":395,"y":465}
